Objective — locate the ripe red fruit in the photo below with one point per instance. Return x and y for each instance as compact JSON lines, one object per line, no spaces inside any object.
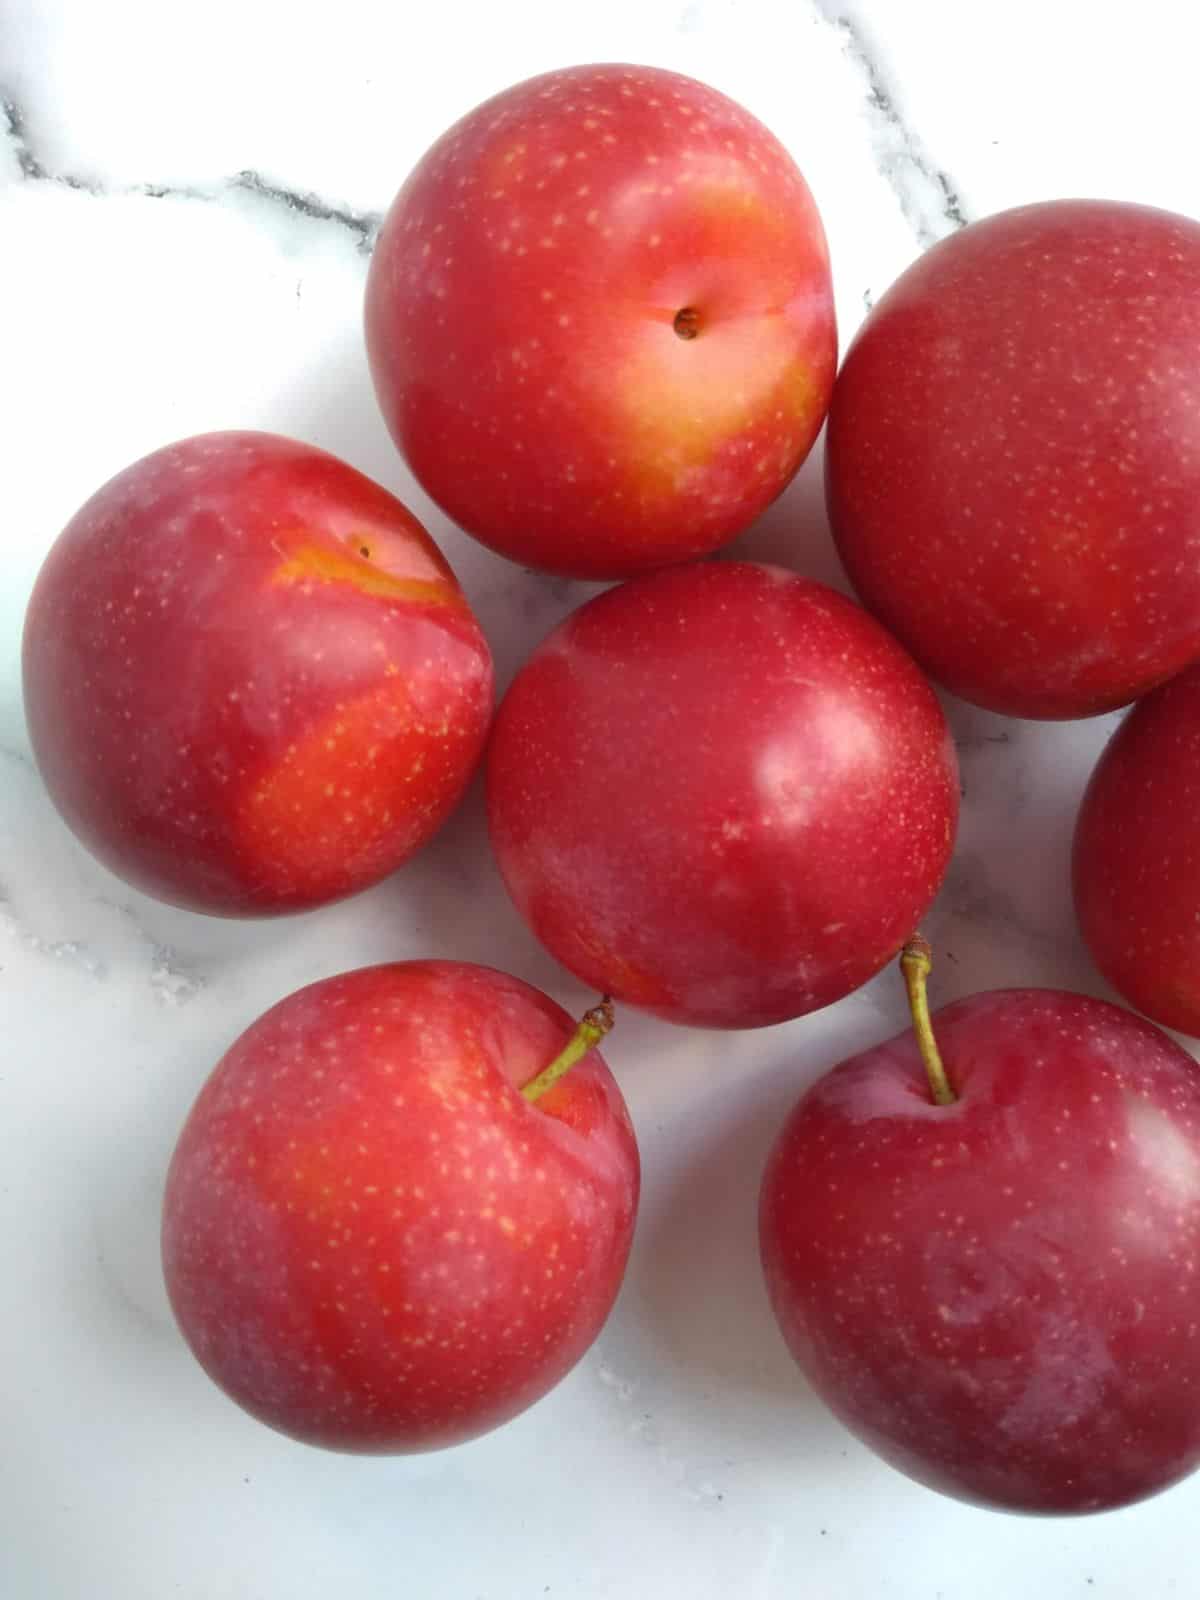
{"x":252,"y":682}
{"x":998,"y":1294}
{"x":1136,"y":870}
{"x":372,"y":1240}
{"x":600,"y":320}
{"x":1012,"y":471}
{"x":722,"y":793}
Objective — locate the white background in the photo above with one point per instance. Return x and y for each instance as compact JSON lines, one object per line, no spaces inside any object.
{"x":146,"y":292}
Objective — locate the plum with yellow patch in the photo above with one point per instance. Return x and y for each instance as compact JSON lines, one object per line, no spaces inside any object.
{"x":372,"y":1240}
{"x":600,"y":320}
{"x":252,"y":682}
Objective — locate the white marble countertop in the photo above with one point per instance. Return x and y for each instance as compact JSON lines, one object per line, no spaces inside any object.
{"x":188,"y":195}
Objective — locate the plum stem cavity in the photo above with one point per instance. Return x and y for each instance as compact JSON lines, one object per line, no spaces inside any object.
{"x":687,"y":322}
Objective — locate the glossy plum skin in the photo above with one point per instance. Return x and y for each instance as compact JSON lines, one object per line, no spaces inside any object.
{"x":999,"y":1296}
{"x":1013,"y":466}
{"x":371,"y":1240}
{"x":252,"y":683}
{"x":1136,"y":858}
{"x":722,"y":793}
{"x":521,"y":320}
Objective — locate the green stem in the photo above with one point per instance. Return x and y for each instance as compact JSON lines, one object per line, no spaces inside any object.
{"x":916,"y":963}
{"x":590,"y":1031}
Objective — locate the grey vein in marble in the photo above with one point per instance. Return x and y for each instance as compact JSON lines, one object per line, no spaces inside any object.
{"x":74,"y":952}
{"x":929,"y":200}
{"x":171,"y":980}
{"x":9,"y":752}
{"x":363,"y":225}
{"x":976,"y":901}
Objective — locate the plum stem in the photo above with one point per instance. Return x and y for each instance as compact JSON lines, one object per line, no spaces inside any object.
{"x":916,"y":963}
{"x":592,"y":1028}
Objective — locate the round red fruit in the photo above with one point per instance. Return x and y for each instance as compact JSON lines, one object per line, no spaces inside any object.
{"x":1136,"y":866}
{"x":252,"y":682}
{"x":600,"y":320}
{"x":1013,"y":473}
{"x":998,"y":1294}
{"x":722,"y":793}
{"x":372,"y":1240}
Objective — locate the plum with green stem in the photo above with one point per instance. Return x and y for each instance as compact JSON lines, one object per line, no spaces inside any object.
{"x":401,"y":1208}
{"x":981,"y":1249}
